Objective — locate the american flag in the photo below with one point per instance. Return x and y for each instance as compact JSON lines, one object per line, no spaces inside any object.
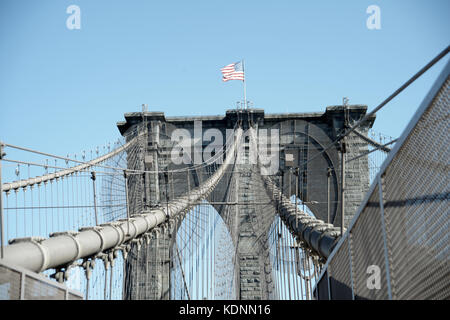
{"x":234,"y":71}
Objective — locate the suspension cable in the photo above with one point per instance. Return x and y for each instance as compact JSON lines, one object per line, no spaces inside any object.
{"x":345,"y":133}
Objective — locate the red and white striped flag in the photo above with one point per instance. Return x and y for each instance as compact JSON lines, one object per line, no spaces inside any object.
{"x":234,"y":71}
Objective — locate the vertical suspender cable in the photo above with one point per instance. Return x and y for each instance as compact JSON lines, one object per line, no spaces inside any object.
{"x":95,"y":197}
{"x":2,"y":221}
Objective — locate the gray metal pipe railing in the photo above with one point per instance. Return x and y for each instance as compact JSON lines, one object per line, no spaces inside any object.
{"x":317,"y":235}
{"x":62,"y":173}
{"x":63,"y":248}
{"x":372,"y":142}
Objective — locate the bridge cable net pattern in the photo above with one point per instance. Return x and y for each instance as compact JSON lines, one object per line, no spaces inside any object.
{"x":67,"y":250}
{"x":378,"y":150}
{"x":127,"y":219}
{"x":75,"y":255}
{"x":284,"y":273}
{"x":319,"y":237}
{"x":162,"y":267}
{"x":79,"y":194}
{"x":296,"y":243}
{"x":291,"y":265}
{"x":295,"y":263}
{"x":397,"y":246}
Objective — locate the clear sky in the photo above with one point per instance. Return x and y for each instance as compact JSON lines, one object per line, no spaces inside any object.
{"x":62,"y":91}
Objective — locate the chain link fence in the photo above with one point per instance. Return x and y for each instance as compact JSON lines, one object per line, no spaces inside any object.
{"x":20,"y":284}
{"x":397,"y":245}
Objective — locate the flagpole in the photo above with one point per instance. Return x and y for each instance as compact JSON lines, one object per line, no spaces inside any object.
{"x":245,"y":96}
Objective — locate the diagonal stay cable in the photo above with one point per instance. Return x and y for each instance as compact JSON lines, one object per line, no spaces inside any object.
{"x":182,"y":273}
{"x":95,"y":162}
{"x":382,"y":104}
{"x":64,"y":172}
{"x":369,"y":152}
{"x":373,"y":143}
{"x":62,"y":248}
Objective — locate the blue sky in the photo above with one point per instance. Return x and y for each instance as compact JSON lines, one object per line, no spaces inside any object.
{"x":62,"y":91}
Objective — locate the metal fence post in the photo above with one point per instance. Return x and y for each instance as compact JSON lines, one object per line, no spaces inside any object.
{"x":342,"y":186}
{"x":351,"y":263}
{"x":22,"y":285}
{"x":2,"y":227}
{"x":383,"y":227}
{"x":328,"y":283}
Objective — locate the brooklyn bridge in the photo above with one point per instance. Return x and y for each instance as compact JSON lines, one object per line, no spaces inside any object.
{"x":244,"y":205}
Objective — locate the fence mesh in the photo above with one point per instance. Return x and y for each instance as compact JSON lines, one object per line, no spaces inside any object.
{"x":401,"y":249}
{"x":322,"y":288}
{"x":38,"y":290}
{"x":416,"y":207}
{"x":35,"y":286}
{"x":9,"y":284}
{"x":339,"y":271}
{"x":367,"y":249}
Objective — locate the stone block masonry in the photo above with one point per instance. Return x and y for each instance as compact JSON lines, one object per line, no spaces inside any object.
{"x":304,"y":135}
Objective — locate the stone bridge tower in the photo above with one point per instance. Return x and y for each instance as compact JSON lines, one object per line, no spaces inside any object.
{"x":304,"y":168}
